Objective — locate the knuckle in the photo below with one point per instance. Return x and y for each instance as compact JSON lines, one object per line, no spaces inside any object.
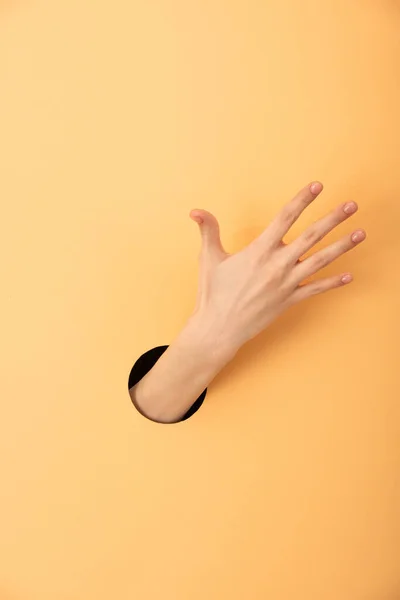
{"x":289,"y":216}
{"x":312,"y":236}
{"x":256,"y":253}
{"x":288,"y":286}
{"x":320,"y":261}
{"x":306,"y":198}
{"x":281,"y":262}
{"x":273,"y":276}
{"x":342,"y":248}
{"x":317,"y":289}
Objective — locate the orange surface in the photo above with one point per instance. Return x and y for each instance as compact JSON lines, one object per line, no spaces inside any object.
{"x":116,"y":119}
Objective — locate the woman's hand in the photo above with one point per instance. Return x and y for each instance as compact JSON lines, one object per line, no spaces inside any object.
{"x":240,"y":294}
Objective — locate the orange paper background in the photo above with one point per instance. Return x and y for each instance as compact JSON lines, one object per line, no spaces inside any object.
{"x":116,"y":119}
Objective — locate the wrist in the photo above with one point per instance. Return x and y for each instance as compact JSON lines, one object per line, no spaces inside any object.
{"x":203,"y":332}
{"x":184,"y":371}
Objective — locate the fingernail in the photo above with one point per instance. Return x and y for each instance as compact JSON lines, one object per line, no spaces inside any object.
{"x":316,"y":187}
{"x":347,"y":278}
{"x":350,"y":208}
{"x":358,"y":236}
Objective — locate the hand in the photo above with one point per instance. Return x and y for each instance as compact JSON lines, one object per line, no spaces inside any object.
{"x":240,"y":294}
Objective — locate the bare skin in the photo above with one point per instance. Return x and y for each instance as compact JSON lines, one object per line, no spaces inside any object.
{"x":238,"y":296}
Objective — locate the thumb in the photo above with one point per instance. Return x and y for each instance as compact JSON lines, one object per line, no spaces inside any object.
{"x":211,"y":245}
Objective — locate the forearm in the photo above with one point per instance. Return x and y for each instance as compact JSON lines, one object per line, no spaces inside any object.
{"x":183,"y":371}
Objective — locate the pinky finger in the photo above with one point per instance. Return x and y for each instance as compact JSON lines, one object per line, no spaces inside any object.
{"x":320,"y":286}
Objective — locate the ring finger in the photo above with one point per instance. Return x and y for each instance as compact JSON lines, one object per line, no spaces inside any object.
{"x":322,"y":258}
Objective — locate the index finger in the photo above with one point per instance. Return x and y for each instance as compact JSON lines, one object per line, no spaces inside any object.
{"x":289,"y":214}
